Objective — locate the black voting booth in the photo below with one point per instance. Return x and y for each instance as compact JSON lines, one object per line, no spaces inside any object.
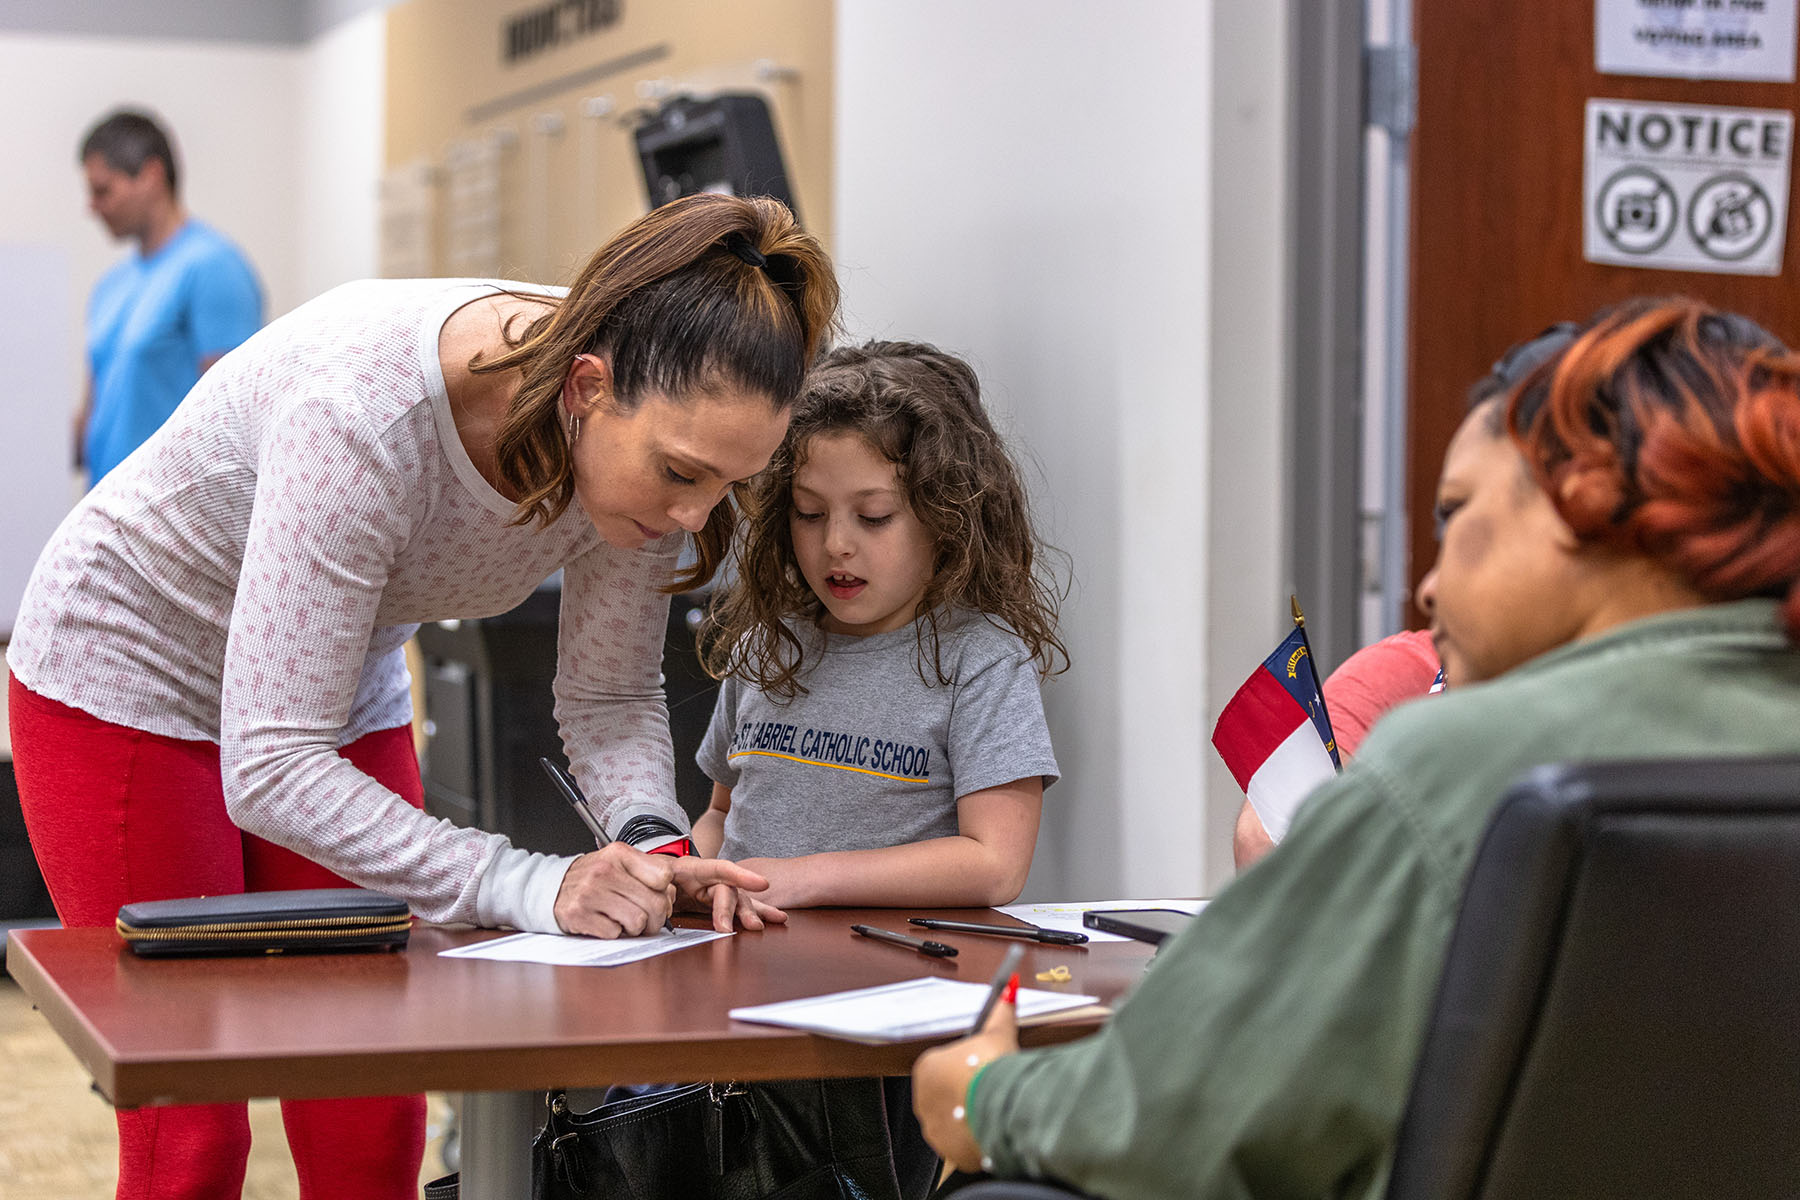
{"x":24,"y":900}
{"x":489,"y":717}
{"x":724,"y":143}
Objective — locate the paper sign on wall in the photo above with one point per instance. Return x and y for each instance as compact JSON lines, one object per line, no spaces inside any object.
{"x":1687,"y":187}
{"x":1696,"y":39}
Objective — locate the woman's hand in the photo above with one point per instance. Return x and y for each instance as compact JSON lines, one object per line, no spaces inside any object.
{"x":941,"y":1085}
{"x":616,"y":891}
{"x":723,"y":888}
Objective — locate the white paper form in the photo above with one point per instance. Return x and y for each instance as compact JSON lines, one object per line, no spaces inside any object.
{"x":568,"y":951}
{"x":902,"y":1012}
{"x":1066,"y":915}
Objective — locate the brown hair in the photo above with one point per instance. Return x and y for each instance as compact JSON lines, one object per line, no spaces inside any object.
{"x":921,"y":409}
{"x":126,"y":140}
{"x":680,"y":305}
{"x":1672,"y":429}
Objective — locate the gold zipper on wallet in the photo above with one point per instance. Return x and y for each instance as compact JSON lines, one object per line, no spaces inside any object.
{"x":304,"y":927}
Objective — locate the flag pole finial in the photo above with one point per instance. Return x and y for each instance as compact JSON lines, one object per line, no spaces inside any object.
{"x":1299,"y":617}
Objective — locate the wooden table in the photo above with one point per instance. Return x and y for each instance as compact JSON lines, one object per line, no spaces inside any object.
{"x":184,"y":1031}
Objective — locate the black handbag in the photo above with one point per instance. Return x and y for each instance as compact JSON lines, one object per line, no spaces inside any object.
{"x":799,"y":1139}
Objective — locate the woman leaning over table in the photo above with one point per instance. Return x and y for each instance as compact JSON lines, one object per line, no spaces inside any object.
{"x":1618,"y":577}
{"x":208,"y":692}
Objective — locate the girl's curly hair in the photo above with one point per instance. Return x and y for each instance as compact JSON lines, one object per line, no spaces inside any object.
{"x":921,"y":409}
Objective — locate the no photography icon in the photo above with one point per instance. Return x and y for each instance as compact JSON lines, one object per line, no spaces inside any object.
{"x":1637,"y":210}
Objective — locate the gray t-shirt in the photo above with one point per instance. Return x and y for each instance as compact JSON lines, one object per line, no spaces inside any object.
{"x":872,"y":755}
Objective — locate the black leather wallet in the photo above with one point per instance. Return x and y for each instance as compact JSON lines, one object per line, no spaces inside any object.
{"x":314,"y":921}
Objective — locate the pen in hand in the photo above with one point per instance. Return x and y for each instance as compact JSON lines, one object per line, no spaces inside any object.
{"x":1005,"y":980}
{"x":929,"y":949}
{"x":571,"y":791}
{"x":1009,"y":968}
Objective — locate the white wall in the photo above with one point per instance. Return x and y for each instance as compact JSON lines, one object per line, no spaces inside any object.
{"x":1037,"y":184}
{"x":1249,"y":476}
{"x":342,"y":107}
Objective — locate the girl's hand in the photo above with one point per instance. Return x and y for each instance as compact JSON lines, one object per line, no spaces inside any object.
{"x":941,"y":1085}
{"x":725,"y":889}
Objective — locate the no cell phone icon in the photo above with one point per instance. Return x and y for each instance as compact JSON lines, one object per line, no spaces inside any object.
{"x":1730,"y":216}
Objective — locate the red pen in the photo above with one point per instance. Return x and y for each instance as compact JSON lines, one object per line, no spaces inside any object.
{"x":1005,"y":986}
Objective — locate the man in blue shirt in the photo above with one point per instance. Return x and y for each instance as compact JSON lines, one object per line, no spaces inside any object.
{"x":160,"y":318}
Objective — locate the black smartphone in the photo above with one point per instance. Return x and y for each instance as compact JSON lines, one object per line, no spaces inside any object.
{"x":1145,"y":924}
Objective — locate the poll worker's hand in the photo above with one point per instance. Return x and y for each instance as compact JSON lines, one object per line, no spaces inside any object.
{"x":941,"y":1085}
{"x":724,"y":889}
{"x":616,"y":891}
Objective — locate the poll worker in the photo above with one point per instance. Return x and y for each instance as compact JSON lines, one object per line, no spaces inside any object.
{"x":1618,"y":577}
{"x":169,"y":311}
{"x":208,"y":690}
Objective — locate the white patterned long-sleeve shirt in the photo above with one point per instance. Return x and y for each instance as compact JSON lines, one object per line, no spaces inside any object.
{"x":250,"y":575}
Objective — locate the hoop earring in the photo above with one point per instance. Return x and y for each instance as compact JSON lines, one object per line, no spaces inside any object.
{"x":574,"y":429}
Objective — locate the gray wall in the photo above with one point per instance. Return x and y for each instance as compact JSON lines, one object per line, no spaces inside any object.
{"x":274,"y":22}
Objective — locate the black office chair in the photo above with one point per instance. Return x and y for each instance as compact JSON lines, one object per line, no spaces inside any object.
{"x":1619,"y":1014}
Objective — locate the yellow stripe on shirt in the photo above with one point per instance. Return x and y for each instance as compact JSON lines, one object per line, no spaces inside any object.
{"x":834,"y":766}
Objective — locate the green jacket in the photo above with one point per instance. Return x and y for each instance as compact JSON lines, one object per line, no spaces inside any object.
{"x":1268,"y":1050}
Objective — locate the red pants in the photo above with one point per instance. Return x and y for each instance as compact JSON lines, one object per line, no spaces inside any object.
{"x":118,"y":815}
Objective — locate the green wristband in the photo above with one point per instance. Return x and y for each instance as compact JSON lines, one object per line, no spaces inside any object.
{"x":969,"y":1092}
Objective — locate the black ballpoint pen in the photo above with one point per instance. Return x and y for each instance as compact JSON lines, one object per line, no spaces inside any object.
{"x":571,"y":791}
{"x":930,"y":949}
{"x":1055,"y":937}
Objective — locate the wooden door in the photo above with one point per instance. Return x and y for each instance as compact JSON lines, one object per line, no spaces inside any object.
{"x":1497,"y":208}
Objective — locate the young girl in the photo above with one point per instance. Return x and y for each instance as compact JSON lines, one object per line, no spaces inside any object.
{"x":879,"y":738}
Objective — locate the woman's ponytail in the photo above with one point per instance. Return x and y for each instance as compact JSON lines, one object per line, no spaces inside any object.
{"x":678,"y":311}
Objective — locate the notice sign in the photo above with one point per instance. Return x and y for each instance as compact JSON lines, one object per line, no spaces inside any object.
{"x":1696,"y":39}
{"x":1687,"y":187}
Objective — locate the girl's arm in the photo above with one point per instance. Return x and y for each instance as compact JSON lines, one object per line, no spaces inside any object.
{"x":984,"y":864}
{"x":709,"y":831}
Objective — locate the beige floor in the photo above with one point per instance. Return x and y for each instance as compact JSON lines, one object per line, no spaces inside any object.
{"x":56,"y":1134}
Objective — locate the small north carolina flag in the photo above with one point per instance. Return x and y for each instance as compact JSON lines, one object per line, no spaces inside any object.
{"x":1275,"y":736}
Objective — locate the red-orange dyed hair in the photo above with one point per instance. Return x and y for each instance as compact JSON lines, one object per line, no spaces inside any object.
{"x":1672,"y":429}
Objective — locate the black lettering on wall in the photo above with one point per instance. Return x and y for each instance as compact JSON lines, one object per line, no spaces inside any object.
{"x":549,"y":25}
